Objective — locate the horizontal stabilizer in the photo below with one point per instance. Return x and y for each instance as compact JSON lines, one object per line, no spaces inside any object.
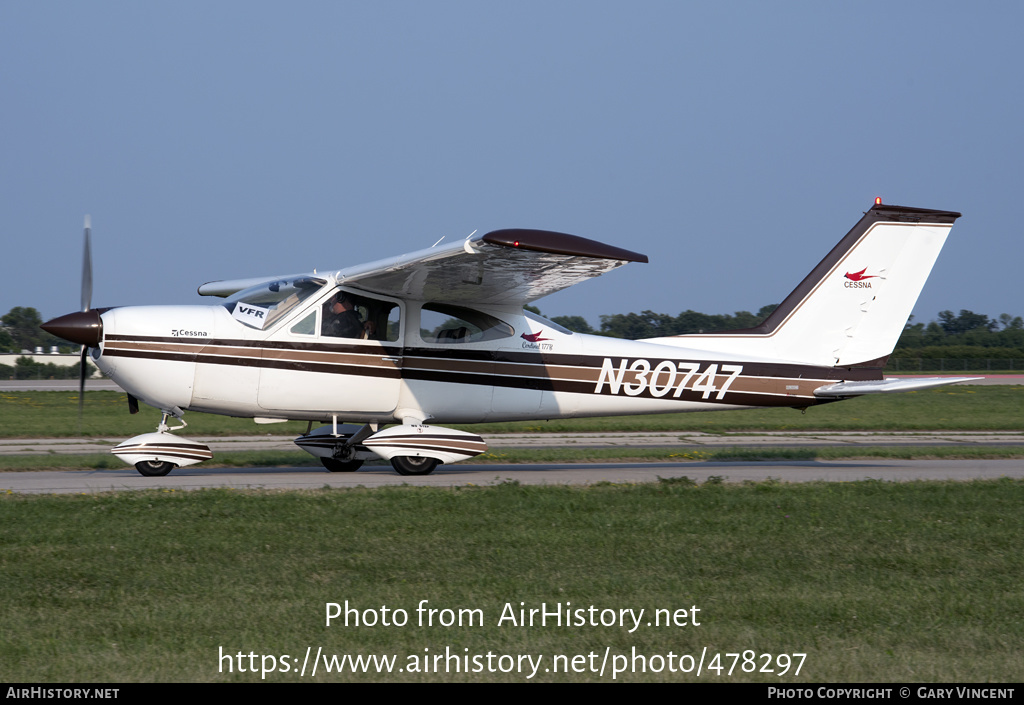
{"x":882,"y":386}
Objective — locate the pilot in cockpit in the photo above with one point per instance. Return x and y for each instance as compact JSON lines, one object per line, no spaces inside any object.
{"x":342,"y":320}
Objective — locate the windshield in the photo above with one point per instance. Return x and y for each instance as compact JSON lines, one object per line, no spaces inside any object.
{"x":261,"y":306}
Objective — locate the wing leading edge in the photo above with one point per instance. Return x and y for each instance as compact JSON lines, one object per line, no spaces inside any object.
{"x":501,"y":267}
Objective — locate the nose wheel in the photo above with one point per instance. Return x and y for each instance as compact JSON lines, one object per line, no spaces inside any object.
{"x":154,"y":468}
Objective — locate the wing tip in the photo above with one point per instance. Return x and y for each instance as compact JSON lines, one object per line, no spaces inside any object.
{"x":560,"y":244}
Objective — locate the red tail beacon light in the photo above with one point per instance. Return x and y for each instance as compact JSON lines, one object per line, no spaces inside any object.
{"x":878,"y":200}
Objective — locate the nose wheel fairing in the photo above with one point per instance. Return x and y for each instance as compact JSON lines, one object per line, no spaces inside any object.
{"x":152,"y":449}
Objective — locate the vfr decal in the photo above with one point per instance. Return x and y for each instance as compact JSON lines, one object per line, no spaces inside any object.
{"x":253,"y":315}
{"x":662,"y":378}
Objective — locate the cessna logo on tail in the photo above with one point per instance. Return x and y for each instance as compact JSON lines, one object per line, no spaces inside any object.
{"x":857,"y":279}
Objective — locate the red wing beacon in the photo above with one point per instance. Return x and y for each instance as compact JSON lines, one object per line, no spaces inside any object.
{"x":386,"y":353}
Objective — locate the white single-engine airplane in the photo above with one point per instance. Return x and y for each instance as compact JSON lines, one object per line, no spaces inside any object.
{"x":376,"y":352}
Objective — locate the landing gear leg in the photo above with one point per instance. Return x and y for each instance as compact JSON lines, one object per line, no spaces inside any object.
{"x":342,"y":459}
{"x":162,"y":427}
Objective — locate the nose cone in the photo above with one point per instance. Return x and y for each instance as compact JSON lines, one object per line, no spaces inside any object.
{"x":82,"y":327}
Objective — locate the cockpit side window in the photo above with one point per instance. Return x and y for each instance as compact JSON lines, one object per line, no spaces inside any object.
{"x":360,"y":317}
{"x":306,"y":326}
{"x":450,"y":325}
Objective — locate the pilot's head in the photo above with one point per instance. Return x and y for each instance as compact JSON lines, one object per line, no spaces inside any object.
{"x":341,"y":303}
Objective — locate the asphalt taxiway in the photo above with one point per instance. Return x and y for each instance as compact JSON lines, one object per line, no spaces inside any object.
{"x":681,"y":441}
{"x":194,"y":478}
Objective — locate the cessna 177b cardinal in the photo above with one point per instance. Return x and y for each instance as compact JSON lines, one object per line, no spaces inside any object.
{"x":382,"y":353}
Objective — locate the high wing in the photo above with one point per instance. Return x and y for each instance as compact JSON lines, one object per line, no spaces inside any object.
{"x":501,"y":267}
{"x":229,"y":287}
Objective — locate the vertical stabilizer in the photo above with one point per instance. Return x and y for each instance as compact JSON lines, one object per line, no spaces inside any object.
{"x":852,"y":307}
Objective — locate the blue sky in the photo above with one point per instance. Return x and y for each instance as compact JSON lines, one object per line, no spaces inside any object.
{"x":734,"y":143}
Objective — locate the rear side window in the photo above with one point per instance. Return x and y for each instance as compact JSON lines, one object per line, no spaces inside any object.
{"x":446,"y":324}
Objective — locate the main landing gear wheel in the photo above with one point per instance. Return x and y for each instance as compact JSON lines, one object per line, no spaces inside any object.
{"x":341,"y":465}
{"x":413,"y":465}
{"x":154,"y":468}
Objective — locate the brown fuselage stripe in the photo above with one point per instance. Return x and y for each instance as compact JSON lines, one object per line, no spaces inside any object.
{"x":337,"y":369}
{"x":762,"y":384}
{"x":255,"y":354}
{"x":451,"y":356}
{"x":385,"y":348}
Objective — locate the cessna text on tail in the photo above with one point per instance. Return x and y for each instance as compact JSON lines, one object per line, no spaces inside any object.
{"x":383,"y":354}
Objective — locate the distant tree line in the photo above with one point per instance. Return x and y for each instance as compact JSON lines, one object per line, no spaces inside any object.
{"x":27,"y":368}
{"x":648,"y":324}
{"x":964,"y":335}
{"x":20,"y":331}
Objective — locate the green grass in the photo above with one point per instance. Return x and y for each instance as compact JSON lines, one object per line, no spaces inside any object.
{"x":950,"y":408}
{"x":891,"y":582}
{"x":874,"y":581}
{"x":55,"y":414}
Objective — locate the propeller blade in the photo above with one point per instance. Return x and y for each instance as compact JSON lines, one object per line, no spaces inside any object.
{"x":81,"y":386}
{"x":87,"y":267}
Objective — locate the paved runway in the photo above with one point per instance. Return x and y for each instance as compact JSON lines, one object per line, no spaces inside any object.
{"x":496,"y":441}
{"x":56,"y":385}
{"x":92,"y":481}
